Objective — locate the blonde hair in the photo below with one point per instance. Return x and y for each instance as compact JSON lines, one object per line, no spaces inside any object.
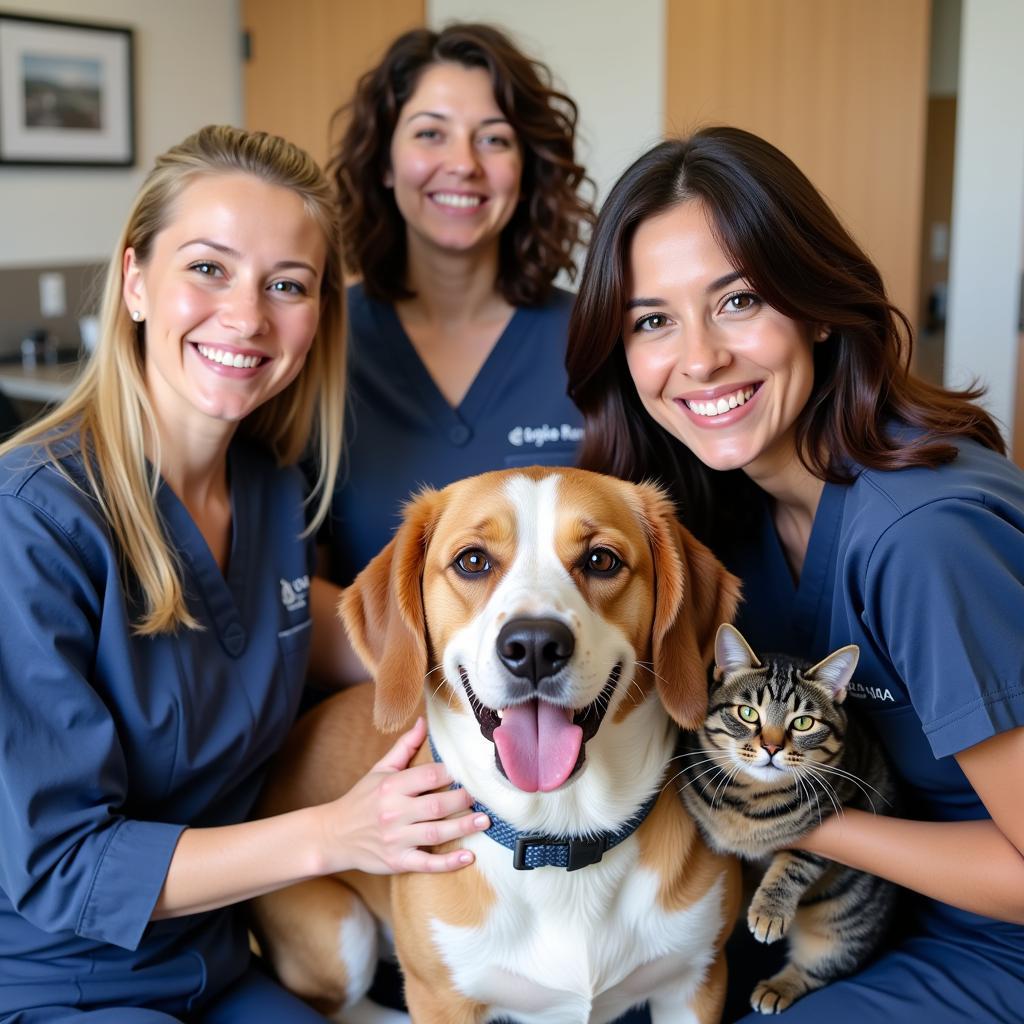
{"x":109,"y":409}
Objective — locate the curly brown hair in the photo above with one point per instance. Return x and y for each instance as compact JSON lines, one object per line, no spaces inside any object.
{"x":549,"y":222}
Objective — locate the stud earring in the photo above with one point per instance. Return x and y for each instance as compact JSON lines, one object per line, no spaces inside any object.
{"x":137,"y":315}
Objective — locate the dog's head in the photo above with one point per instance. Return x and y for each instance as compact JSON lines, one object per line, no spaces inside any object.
{"x":539,"y":602}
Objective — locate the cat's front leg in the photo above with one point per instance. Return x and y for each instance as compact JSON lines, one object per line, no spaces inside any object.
{"x":790,"y":874}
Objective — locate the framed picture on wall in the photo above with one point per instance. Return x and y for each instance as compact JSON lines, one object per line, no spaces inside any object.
{"x":66,"y":93}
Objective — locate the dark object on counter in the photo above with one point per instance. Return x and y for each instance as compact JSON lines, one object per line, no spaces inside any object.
{"x":39,"y":348}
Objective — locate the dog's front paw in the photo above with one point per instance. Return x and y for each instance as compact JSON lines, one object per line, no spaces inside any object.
{"x":767,"y":923}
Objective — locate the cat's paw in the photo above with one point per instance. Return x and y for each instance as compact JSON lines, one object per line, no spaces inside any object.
{"x":767,"y":924}
{"x":774,"y":996}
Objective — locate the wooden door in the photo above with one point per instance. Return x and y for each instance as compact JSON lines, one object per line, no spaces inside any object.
{"x":305,"y":58}
{"x":840,"y":86}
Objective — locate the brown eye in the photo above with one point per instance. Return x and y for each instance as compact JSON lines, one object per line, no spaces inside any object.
{"x":473,"y":562}
{"x":602,"y":562}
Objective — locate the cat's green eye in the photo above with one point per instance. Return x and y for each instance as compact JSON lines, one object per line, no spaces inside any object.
{"x":747,"y":713}
{"x":803,"y":723}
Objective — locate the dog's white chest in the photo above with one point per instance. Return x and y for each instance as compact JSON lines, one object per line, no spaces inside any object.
{"x":577,"y":947}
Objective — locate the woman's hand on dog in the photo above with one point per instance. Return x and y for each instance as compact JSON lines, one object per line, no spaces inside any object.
{"x":381,"y":825}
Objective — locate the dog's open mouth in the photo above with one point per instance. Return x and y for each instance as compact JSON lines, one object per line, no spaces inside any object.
{"x":539,"y":745}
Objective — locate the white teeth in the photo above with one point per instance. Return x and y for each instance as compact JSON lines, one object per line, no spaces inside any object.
{"x":453,"y":199}
{"x":218,"y":355}
{"x":723,"y":404}
{"x":501,"y":712}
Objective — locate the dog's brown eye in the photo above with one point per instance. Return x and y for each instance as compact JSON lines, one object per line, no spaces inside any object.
{"x":472,"y":562}
{"x":602,"y":562}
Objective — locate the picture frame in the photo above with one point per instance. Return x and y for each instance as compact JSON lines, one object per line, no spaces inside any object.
{"x":67,"y":94}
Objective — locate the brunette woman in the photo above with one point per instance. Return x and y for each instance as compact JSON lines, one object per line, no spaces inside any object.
{"x":731,"y":339}
{"x":459,"y":193}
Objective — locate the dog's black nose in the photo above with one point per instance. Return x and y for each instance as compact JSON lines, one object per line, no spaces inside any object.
{"x":535,"y":648}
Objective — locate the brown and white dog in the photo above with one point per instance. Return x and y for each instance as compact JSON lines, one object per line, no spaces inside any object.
{"x":558,"y":625}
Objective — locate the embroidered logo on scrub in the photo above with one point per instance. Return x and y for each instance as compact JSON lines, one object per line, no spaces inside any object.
{"x":878,"y":693}
{"x":545,"y":434}
{"x":294,"y":593}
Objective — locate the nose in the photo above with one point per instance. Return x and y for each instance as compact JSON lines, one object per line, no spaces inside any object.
{"x":773,"y":740}
{"x":535,"y":649}
{"x":462,"y":156}
{"x":243,"y":311}
{"x":702,"y":353}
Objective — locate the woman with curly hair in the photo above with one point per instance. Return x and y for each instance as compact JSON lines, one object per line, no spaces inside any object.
{"x":459,"y":194}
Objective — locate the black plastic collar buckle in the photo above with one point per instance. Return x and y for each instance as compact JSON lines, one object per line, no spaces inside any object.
{"x":581,"y":852}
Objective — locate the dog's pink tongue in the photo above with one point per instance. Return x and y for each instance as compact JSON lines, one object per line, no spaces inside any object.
{"x":538,"y":745}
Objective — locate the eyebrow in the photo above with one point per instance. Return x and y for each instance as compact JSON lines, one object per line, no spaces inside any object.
{"x":719,"y":282}
{"x":235,"y":254}
{"x":445,"y":117}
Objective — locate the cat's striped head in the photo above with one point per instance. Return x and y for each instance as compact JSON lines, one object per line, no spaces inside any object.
{"x":777,"y":716}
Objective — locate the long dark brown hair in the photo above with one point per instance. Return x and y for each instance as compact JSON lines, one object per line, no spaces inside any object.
{"x":549,"y":220}
{"x":780,"y":234}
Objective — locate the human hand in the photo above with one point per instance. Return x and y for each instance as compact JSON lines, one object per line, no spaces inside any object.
{"x":380,"y":825}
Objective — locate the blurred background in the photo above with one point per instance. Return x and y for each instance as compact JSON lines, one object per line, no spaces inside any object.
{"x":907,"y":114}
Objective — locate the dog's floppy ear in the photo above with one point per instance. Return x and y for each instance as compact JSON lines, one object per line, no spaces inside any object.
{"x":694,"y":595}
{"x":383,"y":613}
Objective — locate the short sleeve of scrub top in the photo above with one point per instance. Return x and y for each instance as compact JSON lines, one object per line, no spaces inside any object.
{"x":944,"y":596}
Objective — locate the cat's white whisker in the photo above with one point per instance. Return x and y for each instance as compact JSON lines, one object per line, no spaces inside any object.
{"x":858,"y":782}
{"x":826,"y":788}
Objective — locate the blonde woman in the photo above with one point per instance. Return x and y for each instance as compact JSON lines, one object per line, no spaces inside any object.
{"x":154,"y":590}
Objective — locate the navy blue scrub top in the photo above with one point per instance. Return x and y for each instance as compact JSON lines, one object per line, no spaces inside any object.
{"x":403,"y":434}
{"x":111,"y":743}
{"x":923,"y":569}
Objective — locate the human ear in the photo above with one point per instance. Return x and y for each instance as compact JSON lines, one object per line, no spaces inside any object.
{"x":133,"y":288}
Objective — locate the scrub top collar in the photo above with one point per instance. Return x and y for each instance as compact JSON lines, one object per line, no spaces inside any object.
{"x":491,"y":375}
{"x":222,"y":593}
{"x":806,"y":595}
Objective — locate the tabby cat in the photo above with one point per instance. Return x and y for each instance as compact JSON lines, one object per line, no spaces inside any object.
{"x":775,"y":755}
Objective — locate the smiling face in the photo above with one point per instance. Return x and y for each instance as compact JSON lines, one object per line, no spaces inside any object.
{"x":713,"y":363}
{"x":230,"y":297}
{"x":456,"y":164}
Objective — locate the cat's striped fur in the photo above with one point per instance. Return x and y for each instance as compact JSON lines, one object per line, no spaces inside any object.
{"x":776,"y":754}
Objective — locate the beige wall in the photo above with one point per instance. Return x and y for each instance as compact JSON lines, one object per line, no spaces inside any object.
{"x":304,"y":63}
{"x":838,"y":85}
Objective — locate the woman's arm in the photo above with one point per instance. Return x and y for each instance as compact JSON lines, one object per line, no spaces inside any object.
{"x":377,"y":827}
{"x":975,"y":865}
{"x":332,"y":661}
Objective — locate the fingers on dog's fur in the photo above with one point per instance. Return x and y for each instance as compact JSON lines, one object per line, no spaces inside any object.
{"x":694,"y":595}
{"x":383,"y":613}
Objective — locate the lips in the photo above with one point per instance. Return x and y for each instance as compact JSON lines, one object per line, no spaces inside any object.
{"x":538,"y":745}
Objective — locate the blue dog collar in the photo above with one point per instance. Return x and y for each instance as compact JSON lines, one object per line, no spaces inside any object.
{"x":533,"y":850}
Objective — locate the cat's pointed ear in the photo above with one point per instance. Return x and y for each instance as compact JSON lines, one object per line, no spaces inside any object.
{"x":836,"y":671}
{"x":732,"y":652}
